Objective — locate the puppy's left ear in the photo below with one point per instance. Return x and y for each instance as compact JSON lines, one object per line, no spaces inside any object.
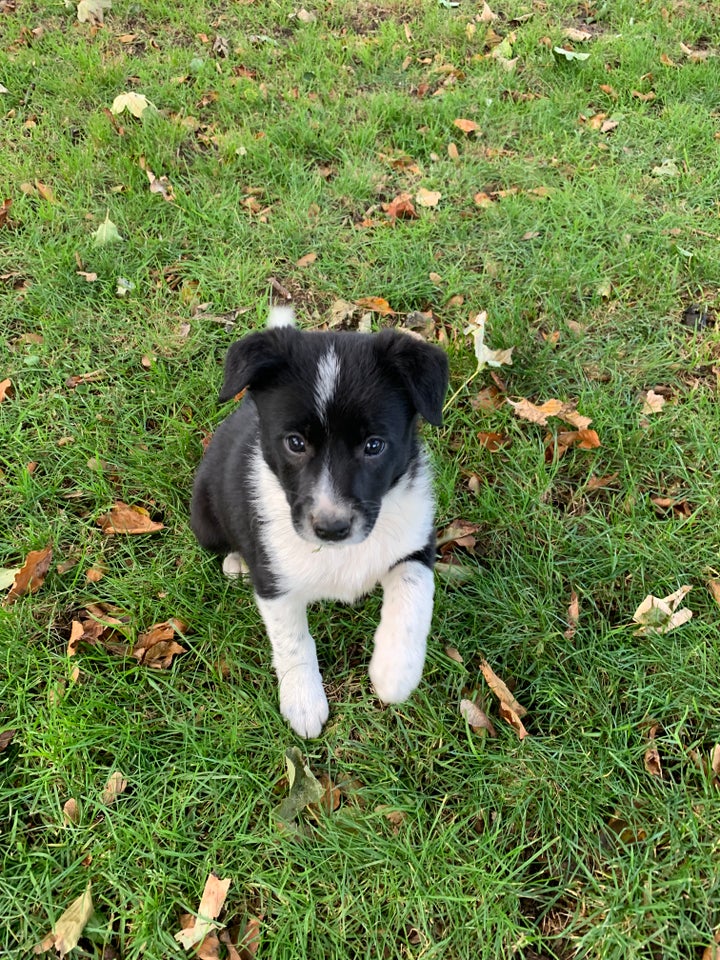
{"x":423,"y":369}
{"x":255,"y":361}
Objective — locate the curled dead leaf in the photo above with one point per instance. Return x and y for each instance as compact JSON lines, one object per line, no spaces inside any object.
{"x":6,"y":389}
{"x":157,"y":646}
{"x":573,"y":616}
{"x":510,"y":709}
{"x":476,"y":718}
{"x":661,"y":615}
{"x":116,"y":785}
{"x":31,"y":575}
{"x":125,"y":519}
{"x":211,"y":903}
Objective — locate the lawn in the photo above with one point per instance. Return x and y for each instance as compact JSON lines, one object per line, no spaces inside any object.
{"x":578,"y":207}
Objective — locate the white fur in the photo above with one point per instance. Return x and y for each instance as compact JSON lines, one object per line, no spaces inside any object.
{"x":302,"y":698}
{"x":328,"y":371}
{"x":234,"y":566}
{"x":401,"y":637}
{"x":281,"y":317}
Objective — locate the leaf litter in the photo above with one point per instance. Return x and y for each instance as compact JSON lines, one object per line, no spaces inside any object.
{"x":68,"y":929}
{"x":211,"y":904}
{"x":510,"y":709}
{"x":658,"y":616}
{"x":31,"y":576}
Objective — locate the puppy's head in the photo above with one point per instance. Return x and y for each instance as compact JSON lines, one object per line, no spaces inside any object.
{"x":338,"y":415}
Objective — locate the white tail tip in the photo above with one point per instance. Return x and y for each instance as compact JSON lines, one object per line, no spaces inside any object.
{"x":281,"y":317}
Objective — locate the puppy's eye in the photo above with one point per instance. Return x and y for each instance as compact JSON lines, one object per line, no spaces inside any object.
{"x":373,"y":447}
{"x":295,"y":443}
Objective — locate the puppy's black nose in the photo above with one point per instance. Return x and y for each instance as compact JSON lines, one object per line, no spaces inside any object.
{"x":331,"y":528}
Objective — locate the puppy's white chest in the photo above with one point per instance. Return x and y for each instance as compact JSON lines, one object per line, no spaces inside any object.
{"x":340,"y":571}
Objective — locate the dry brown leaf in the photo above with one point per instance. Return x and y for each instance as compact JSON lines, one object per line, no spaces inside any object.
{"x":467,"y":126}
{"x":597,"y":483}
{"x":559,"y":445}
{"x":211,"y":904}
{"x":125,"y":519}
{"x":6,"y":389}
{"x":79,"y":378}
{"x":31,"y":576}
{"x":116,"y":785}
{"x":376,"y":305}
{"x":428,"y":198}
{"x":570,"y":415}
{"x":6,"y":738}
{"x":510,"y":709}
{"x":483,"y":200}
{"x":71,"y":811}
{"x":453,"y":151}
{"x":577,"y":36}
{"x":573,"y":616}
{"x":492,"y":441}
{"x":661,"y":615}
{"x":69,"y":927}
{"x":527,"y":410}
{"x":653,"y":402}
{"x":395,"y":817}
{"x":76,"y":633}
{"x":454,"y":654}
{"x":489,"y":399}
{"x":250,"y":939}
{"x":476,"y":718}
{"x":714,"y":588}
{"x":712,"y":952}
{"x":157,"y":646}
{"x":4,"y":211}
{"x":306,"y":260}
{"x":45,"y":192}
{"x":401,"y":208}
{"x":645,"y":97}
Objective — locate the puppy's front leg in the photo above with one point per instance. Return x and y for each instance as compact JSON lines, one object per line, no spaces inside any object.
{"x":302,"y":698}
{"x":401,"y":637}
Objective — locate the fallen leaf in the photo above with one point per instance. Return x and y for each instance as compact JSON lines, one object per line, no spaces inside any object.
{"x":157,"y":646}
{"x":377,"y":305}
{"x":645,"y":97}
{"x":483,"y":354}
{"x":71,"y":811}
{"x":653,"y":402}
{"x":123,"y":518}
{"x":330,"y":800}
{"x":116,"y":785}
{"x":577,"y":36}
{"x":134,"y":103}
{"x":4,"y":211}
{"x":306,"y":260}
{"x":557,"y":446}
{"x":459,"y":533}
{"x":493,"y":441}
{"x":510,"y":709}
{"x":486,"y":15}
{"x":527,"y":410}
{"x":668,"y":506}
{"x":304,"y":788}
{"x":454,"y":654}
{"x":714,"y":588}
{"x":401,"y":208}
{"x":250,"y":939}
{"x":651,"y":758}
{"x":79,"y":378}
{"x":7,"y":391}
{"x":395,"y":817}
{"x":658,"y":616}
{"x":106,"y":233}
{"x":76,"y":634}
{"x":712,"y":952}
{"x":92,"y":11}
{"x":342,"y":313}
{"x":467,"y":126}
{"x":87,"y":276}
{"x":428,"y":198}
{"x":45,"y":192}
{"x":31,"y":575}
{"x":488,"y":400}
{"x":697,"y":56}
{"x":563,"y":55}
{"x":570,"y":415}
{"x":211,"y":903}
{"x":453,"y":151}
{"x":160,"y":185}
{"x":6,"y":738}
{"x":573,"y":616}
{"x":483,"y":200}
{"x":69,"y":927}
{"x":476,"y":718}
{"x":668,"y":168}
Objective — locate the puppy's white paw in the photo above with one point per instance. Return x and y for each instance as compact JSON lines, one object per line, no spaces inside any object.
{"x":303,"y":702}
{"x":234,"y":566}
{"x":395,"y":670}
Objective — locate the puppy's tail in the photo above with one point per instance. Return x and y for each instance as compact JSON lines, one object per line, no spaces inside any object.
{"x":281,"y":317}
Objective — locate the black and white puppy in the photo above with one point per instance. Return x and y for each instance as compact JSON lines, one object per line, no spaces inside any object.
{"x":318,"y":482}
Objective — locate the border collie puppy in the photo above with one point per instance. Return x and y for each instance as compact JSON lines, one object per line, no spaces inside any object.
{"x":318,"y":488}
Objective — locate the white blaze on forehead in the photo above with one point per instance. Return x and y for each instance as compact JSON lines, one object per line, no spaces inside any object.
{"x":328,"y":371}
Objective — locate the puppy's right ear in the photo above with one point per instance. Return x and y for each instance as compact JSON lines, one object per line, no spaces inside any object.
{"x":253,"y":362}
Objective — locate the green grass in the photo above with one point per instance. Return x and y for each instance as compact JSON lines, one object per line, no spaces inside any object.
{"x":559,"y":846}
